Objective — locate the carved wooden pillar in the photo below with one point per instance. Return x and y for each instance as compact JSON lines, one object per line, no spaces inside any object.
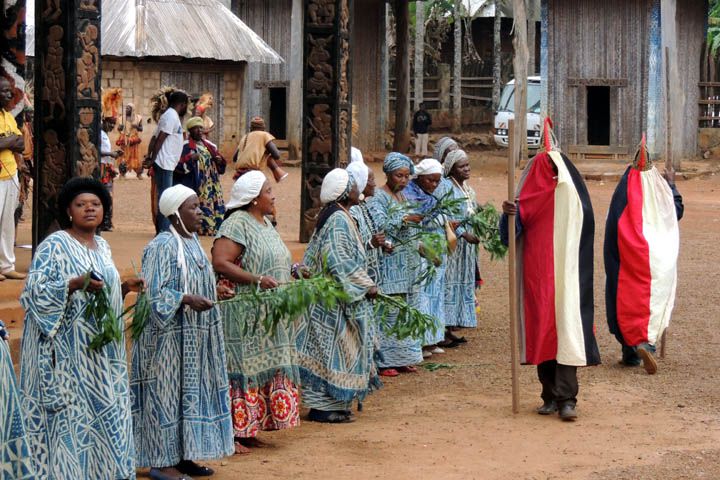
{"x":67,"y":101}
{"x":327,"y":100}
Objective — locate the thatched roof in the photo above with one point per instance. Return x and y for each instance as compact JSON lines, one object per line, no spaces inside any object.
{"x":197,"y":29}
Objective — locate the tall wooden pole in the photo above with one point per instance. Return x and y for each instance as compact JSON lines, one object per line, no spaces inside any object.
{"x":520,"y":65}
{"x":512,"y":280}
{"x":668,"y":160}
{"x":419,"y":70}
{"x":457,"y":70}
{"x":401,"y":143}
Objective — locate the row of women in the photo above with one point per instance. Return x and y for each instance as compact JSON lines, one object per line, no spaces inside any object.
{"x":200,"y":386}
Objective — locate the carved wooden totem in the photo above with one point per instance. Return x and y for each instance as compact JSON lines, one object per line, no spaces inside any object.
{"x":67,"y":102}
{"x":327,"y":100}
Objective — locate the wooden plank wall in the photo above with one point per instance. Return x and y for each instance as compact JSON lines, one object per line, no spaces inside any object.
{"x":691,"y":16}
{"x":591,"y":39}
{"x":368,"y":36}
{"x":271,"y":20}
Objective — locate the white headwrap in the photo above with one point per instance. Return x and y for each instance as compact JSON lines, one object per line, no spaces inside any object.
{"x":334,"y":185}
{"x":356,"y":155}
{"x":246,"y":189}
{"x":428,"y":166}
{"x":452,"y":158}
{"x":170,"y":202}
{"x":360,"y":173}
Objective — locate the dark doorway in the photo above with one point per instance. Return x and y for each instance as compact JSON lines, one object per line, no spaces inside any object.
{"x":598,"y":115}
{"x":278,"y":113}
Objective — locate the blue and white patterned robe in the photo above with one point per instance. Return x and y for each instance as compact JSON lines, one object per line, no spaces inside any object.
{"x":181,"y":400}
{"x":76,"y":400}
{"x":15,"y":460}
{"x":333,"y":343}
{"x":460,"y":272}
{"x":394,"y":280}
{"x":430,"y":296}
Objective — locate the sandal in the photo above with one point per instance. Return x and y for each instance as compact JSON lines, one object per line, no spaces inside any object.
{"x":329,"y":417}
{"x":407,"y":369}
{"x":157,"y":474}
{"x":189,"y":467}
{"x":388,"y":372}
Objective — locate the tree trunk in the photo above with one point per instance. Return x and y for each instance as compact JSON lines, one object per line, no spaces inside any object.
{"x":497,"y":57}
{"x":531,"y":46}
{"x":457,"y":72}
{"x":419,"y":53}
{"x":520,"y":65}
{"x":401,"y":143}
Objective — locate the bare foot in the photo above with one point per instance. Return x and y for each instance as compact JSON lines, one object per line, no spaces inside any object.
{"x":240,"y":449}
{"x":253,"y":442}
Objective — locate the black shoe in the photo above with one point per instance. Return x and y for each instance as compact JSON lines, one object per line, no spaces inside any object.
{"x":629,"y":357}
{"x":548,"y":408}
{"x":188,"y":467}
{"x":329,"y":417}
{"x":568,"y":412}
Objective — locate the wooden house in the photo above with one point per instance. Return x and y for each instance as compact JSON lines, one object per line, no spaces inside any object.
{"x":604,"y":74}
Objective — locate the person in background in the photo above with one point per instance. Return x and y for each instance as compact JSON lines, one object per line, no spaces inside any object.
{"x":167,"y":148}
{"x":25,"y":170}
{"x":76,"y":399}
{"x":199,"y":169}
{"x":420,"y":126}
{"x":107,"y":168}
{"x":129,"y":140}
{"x":257,"y":151}
{"x":249,"y":254}
{"x":178,"y":376}
{"x":12,"y":146}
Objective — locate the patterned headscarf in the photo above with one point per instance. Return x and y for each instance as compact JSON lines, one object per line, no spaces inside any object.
{"x":257,"y":123}
{"x":395,"y":161}
{"x":452,"y":158}
{"x":442,"y":146}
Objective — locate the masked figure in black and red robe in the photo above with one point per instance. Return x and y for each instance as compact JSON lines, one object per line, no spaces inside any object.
{"x":555,"y":227}
{"x":642,"y":241}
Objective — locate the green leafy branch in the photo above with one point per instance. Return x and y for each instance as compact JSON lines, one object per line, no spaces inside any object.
{"x":484,"y":224}
{"x":409,"y":322}
{"x":100,"y":308}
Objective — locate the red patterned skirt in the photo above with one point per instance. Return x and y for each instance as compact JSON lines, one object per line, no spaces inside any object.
{"x":274,"y":406}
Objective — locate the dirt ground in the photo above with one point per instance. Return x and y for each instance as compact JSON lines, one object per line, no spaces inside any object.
{"x":456,"y":423}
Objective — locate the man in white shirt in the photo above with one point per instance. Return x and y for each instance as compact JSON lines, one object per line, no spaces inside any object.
{"x":107,"y":167}
{"x":168,"y":148}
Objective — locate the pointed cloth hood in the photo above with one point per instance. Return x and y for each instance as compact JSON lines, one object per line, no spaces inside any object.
{"x":555,"y":261}
{"x":642,"y":242}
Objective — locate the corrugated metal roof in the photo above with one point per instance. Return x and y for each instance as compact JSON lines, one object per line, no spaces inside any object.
{"x":202,"y":29}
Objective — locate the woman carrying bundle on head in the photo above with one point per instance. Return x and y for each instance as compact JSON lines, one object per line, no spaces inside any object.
{"x":462,"y":265}
{"x":249,"y":254}
{"x":332,"y":341}
{"x":396,"y":356}
{"x":77,"y":396}
{"x":181,"y":410}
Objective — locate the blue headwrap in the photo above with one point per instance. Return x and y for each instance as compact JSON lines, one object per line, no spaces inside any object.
{"x":441,"y":147}
{"x":395,"y":161}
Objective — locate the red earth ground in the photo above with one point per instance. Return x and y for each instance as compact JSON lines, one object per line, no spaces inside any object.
{"x":456,"y":423}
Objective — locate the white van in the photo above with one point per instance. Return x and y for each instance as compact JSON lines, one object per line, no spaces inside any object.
{"x":506,"y":112}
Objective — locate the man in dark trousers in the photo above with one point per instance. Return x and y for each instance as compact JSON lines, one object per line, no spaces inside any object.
{"x":421,"y":124}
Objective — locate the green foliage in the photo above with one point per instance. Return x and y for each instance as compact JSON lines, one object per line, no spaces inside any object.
{"x":433,"y":367}
{"x":284,"y":303}
{"x":100,"y":308}
{"x":713,"y":33}
{"x":484,"y":224}
{"x":409,"y":323}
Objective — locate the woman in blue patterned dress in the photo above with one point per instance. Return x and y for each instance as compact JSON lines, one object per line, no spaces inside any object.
{"x":15,"y":460}
{"x":429,"y":297}
{"x":332,"y":342}
{"x":463,"y":262}
{"x":76,"y":399}
{"x":395,"y":355}
{"x":249,"y":254}
{"x":181,"y":399}
{"x":199,"y":169}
